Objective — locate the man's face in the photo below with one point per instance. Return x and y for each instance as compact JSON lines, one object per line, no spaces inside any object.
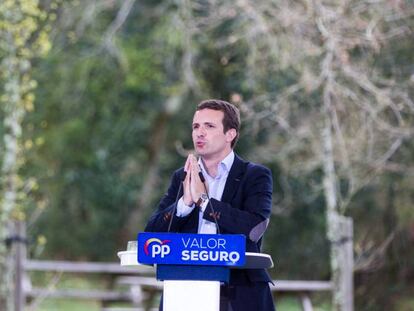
{"x":208,"y":137}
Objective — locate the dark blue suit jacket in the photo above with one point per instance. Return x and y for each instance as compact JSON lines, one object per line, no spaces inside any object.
{"x":245,"y":208}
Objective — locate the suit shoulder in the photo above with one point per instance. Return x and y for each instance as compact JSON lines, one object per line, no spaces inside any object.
{"x":179,"y":171}
{"x":251,"y":166}
{"x":258,"y":168}
{"x":178,"y":174}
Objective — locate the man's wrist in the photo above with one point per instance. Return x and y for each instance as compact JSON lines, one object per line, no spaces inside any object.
{"x":183,"y":209}
{"x":188,"y":203}
{"x":201,"y":199}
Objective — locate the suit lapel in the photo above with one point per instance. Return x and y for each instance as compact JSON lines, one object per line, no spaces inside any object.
{"x":233,"y":180}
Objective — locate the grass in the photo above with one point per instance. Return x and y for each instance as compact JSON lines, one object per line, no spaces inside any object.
{"x":292,"y":303}
{"x":68,"y":305}
{"x":283,"y":303}
{"x":405,"y":304}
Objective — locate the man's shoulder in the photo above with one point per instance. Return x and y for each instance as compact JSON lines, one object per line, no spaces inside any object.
{"x":251,"y":166}
{"x":256,"y":177}
{"x":179,"y":171}
{"x":252,"y":169}
{"x":258,"y":168}
{"x":178,"y":174}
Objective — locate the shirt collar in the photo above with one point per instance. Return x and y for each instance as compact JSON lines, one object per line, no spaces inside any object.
{"x":228,"y":161}
{"x":224,"y":165}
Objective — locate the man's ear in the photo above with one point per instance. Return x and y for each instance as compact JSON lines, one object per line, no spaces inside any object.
{"x":231,"y":134}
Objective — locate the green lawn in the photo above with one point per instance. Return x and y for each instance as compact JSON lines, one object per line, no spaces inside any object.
{"x":68,"y":305}
{"x":284,"y":303}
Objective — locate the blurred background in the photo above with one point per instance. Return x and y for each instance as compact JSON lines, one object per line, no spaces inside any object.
{"x":97,"y":101}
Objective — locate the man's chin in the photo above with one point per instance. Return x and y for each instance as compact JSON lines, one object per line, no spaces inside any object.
{"x":202,"y":153}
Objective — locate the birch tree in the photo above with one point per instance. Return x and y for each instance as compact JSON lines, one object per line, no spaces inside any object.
{"x":21,"y":40}
{"x":340,"y":112}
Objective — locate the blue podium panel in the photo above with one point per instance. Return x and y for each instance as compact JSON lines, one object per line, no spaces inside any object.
{"x":195,"y":273}
{"x":191,"y":249}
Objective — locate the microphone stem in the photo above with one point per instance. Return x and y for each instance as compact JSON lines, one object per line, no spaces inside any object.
{"x":176,"y":200}
{"x":209,"y":202}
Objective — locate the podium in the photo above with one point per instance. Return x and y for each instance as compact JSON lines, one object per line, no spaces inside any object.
{"x":192,"y":266}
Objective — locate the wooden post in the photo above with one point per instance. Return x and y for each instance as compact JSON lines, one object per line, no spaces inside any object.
{"x":19,"y":247}
{"x":342,"y":274}
{"x":306,"y":302}
{"x":346,"y":264}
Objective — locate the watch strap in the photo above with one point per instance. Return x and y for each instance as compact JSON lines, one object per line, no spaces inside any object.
{"x":201,"y":200}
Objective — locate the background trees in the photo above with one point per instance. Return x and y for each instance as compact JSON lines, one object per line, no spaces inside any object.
{"x":22,"y":39}
{"x":325,"y":88}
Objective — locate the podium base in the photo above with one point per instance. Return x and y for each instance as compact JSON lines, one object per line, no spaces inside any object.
{"x":191,"y":295}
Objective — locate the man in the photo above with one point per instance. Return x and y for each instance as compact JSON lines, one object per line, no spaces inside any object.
{"x":239,"y":191}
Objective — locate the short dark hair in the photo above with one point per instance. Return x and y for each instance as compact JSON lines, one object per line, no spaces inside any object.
{"x":231,"y":119}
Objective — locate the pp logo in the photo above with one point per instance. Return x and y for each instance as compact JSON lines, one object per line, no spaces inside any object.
{"x":158,"y":247}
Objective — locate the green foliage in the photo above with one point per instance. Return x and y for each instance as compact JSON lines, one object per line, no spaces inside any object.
{"x":90,"y":142}
{"x":95,"y":121}
{"x":91,"y":136}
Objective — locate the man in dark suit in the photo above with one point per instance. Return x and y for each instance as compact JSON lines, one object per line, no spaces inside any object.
{"x":239,"y":191}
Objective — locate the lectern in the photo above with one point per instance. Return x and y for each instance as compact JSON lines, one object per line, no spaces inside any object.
{"x":192,"y":266}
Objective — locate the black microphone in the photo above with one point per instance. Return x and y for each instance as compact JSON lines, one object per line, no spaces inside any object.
{"x":203,"y":180}
{"x":176,"y":199}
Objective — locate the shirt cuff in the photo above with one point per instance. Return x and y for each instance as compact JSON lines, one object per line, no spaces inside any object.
{"x":183,"y":209}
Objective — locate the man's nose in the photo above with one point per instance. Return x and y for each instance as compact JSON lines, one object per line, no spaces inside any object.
{"x":201,"y":132}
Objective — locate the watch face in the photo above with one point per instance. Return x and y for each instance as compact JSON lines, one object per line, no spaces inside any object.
{"x":204,"y":196}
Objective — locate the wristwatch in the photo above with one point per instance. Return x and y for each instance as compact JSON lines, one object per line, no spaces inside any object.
{"x":203,"y":198}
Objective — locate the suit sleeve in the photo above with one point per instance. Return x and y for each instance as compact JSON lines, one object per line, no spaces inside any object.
{"x":160,"y":220}
{"x":252,"y":216}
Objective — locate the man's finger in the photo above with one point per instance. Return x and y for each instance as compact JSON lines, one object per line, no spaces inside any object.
{"x":194,"y":165}
{"x":187,"y":165}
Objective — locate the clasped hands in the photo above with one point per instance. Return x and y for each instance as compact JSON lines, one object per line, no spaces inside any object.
{"x":193,"y":186}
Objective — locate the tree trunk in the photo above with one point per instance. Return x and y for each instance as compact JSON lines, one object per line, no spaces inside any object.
{"x":11,"y":68}
{"x":21,"y":40}
{"x":12,"y":123}
{"x":339,"y":231}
